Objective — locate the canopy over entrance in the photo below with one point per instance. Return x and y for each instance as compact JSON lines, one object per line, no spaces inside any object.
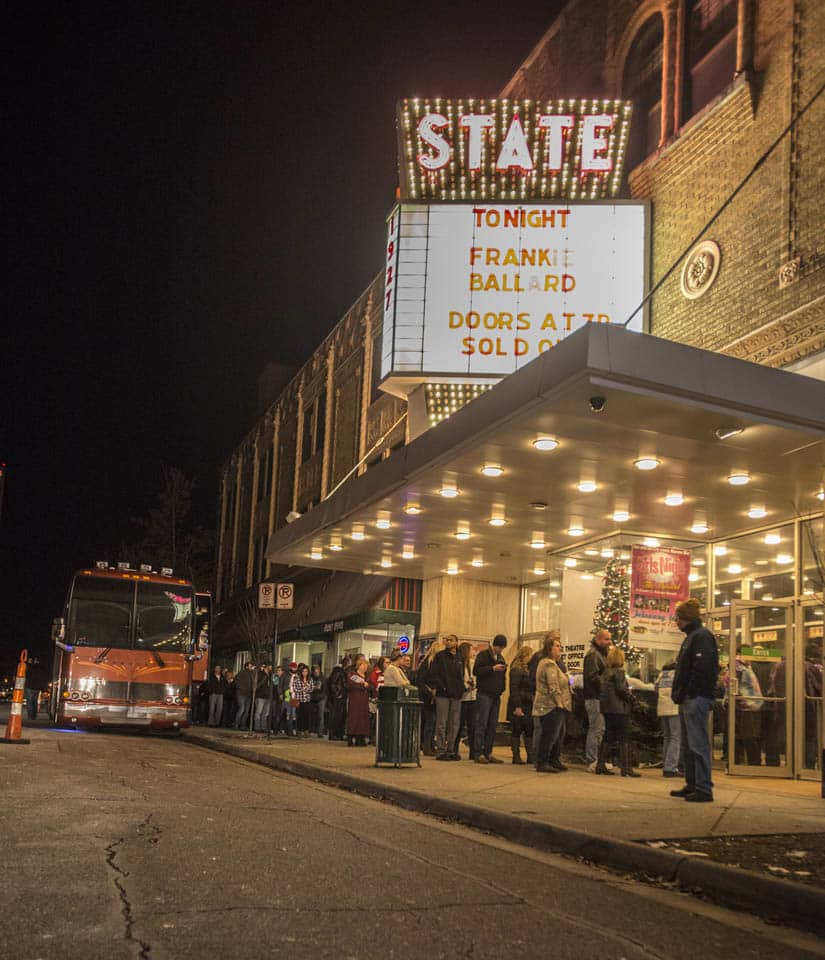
{"x":610,"y":399}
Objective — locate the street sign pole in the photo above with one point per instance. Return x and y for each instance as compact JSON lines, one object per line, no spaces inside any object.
{"x":272,"y":679}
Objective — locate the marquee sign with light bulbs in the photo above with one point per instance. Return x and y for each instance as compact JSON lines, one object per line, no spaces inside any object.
{"x":471,"y":149}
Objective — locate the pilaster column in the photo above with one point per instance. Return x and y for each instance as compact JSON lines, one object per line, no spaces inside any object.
{"x":299,"y":443}
{"x":221,"y":531}
{"x":366,"y":383}
{"x":326,"y":465}
{"x":745,"y":19}
{"x":235,"y":521}
{"x":253,"y":503}
{"x":273,"y":480}
{"x":670,"y":61}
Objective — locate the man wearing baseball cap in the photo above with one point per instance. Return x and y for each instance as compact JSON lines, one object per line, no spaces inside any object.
{"x":694,"y":682}
{"x":490,"y":671}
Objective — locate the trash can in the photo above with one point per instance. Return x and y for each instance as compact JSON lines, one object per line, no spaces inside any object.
{"x":398,"y":731}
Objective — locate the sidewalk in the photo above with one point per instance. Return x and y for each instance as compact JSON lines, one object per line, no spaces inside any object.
{"x":623,"y":808}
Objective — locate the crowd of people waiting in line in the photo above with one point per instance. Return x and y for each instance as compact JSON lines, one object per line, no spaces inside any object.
{"x":461,"y":694}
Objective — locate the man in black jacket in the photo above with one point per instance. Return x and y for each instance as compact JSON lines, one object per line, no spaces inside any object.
{"x":447,"y":677}
{"x":490,"y":671}
{"x":697,"y":669}
{"x":594,"y":666}
{"x":215,"y":688}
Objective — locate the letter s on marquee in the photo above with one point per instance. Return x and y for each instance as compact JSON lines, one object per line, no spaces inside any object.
{"x":469,"y":346}
{"x":428,"y":126}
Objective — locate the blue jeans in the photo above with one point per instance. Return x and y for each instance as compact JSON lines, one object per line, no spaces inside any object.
{"x":553,"y":725}
{"x":595,"y":730}
{"x":486,"y":720}
{"x":261,"y":713}
{"x":31,"y":697}
{"x":292,"y":718}
{"x":671,"y":743}
{"x":242,"y":715}
{"x":693,"y":718}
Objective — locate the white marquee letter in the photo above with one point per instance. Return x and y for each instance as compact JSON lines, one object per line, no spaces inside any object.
{"x":475,"y":123}
{"x":514,"y":150}
{"x":555,"y":124}
{"x":593,"y":144}
{"x":427,"y":127}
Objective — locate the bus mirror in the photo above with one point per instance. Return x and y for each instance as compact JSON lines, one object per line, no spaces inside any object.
{"x":58,"y":628}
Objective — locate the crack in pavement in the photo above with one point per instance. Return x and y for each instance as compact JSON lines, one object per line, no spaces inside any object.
{"x":317,"y":909}
{"x":144,"y":949}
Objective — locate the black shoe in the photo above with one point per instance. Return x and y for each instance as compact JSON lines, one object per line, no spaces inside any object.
{"x":518,"y":760}
{"x":453,"y":756}
{"x":443,"y":756}
{"x":699,"y":796}
{"x":547,"y":768}
{"x":669,"y":773}
{"x":559,"y":766}
{"x":683,"y":792}
{"x":492,"y":759}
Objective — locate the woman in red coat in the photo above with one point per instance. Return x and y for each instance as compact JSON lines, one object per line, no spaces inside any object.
{"x":358,"y":710}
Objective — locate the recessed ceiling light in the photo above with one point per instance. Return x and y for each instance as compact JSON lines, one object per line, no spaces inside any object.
{"x":650,"y":542}
{"x":756,"y":513}
{"x":408,"y":552}
{"x":553,"y":596}
{"x":358,"y":531}
{"x":739,"y":479}
{"x":734,"y":568}
{"x":699,"y":527}
{"x":555,"y":583}
{"x":492,"y":470}
{"x":537,"y":541}
{"x":448,"y":490}
{"x":674,"y":500}
{"x":698,"y":562}
{"x":757,"y":584}
{"x":477,"y":561}
{"x":693,"y":577}
{"x":383,"y":520}
{"x":760,"y":563}
{"x":335,"y":544}
{"x":720,"y":551}
{"x":575,"y":530}
{"x":772,"y":538}
{"x":607,"y":553}
{"x":570,"y":561}
{"x":497,"y":521}
{"x":725,"y":433}
{"x":784,"y":558}
{"x":386,"y":562}
{"x":412,"y":509}
{"x":452,"y":568}
{"x":538,"y":570}
{"x":538,"y":505}
{"x":545,"y":443}
{"x":646,"y":463}
{"x":587,"y":576}
{"x":587,"y":486}
{"x":591,"y":552}
{"x":462,"y":530}
{"x":621,"y":516}
{"x":821,"y":494}
{"x":766,"y":596}
{"x":317,"y":553}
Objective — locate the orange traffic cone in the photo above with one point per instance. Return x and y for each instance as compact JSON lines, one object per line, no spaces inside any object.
{"x":15,"y":724}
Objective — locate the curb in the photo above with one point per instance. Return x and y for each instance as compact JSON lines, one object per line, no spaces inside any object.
{"x":771,"y":899}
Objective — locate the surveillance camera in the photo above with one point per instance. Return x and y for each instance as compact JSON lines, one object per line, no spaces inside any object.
{"x":292,"y":516}
{"x":597,"y":404}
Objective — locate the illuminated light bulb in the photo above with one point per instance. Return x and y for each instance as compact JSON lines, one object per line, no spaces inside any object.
{"x":497,"y":521}
{"x":357,"y":531}
{"x":766,"y":596}
{"x":772,"y":538}
{"x":477,"y":561}
{"x":587,"y":486}
{"x":821,"y":494}
{"x":575,"y":530}
{"x":734,"y":568}
{"x":784,"y":558}
{"x":646,"y":463}
{"x":674,"y":500}
{"x":408,"y":551}
{"x":720,"y":551}
{"x":545,"y":443}
{"x":383,"y":523}
{"x":739,"y":479}
{"x":335,"y":544}
{"x":452,"y":568}
{"x":317,"y":553}
{"x":538,"y":570}
{"x":570,"y":562}
{"x":650,"y":542}
{"x":757,"y":584}
{"x":587,"y":576}
{"x":555,"y":583}
{"x":462,"y":531}
{"x":621,"y":516}
{"x":699,"y":527}
{"x":492,"y":470}
{"x":553,"y":596}
{"x":537,"y":541}
{"x":756,"y":513}
{"x":591,"y":552}
{"x":386,"y":561}
{"x":449,"y":490}
{"x":412,"y":509}
{"x":607,"y":553}
{"x":693,"y":577}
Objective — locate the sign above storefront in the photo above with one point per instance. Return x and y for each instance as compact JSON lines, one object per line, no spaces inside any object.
{"x":480,"y":290}
{"x":659,"y":581}
{"x":470,"y":149}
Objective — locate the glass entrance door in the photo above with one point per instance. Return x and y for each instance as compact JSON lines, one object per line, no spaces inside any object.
{"x":809,"y":720}
{"x":760,"y":686}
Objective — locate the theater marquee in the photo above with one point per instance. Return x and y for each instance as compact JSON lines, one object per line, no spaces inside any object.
{"x":481,"y":289}
{"x":511,"y":149}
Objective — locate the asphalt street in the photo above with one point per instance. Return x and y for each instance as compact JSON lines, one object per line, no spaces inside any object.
{"x":124,"y":846}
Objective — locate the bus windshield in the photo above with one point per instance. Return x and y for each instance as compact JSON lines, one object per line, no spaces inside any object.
{"x":164,"y":617}
{"x":100,"y":612}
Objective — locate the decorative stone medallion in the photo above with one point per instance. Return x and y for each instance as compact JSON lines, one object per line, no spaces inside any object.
{"x":700,"y":269}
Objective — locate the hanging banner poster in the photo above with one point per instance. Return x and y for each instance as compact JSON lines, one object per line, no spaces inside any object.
{"x":658,"y":581}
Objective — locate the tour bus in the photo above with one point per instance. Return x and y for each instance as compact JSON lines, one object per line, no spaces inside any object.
{"x":128,"y":650}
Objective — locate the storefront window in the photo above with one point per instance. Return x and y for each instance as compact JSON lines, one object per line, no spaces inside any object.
{"x":373,"y":641}
{"x":759,"y":566}
{"x":541,"y":606}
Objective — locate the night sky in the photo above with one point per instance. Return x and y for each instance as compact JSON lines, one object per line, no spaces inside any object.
{"x":191,"y":190}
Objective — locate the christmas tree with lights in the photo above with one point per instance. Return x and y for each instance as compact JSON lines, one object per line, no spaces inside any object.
{"x":613,"y":608}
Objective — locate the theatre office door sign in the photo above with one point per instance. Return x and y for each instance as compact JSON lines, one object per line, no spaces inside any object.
{"x":504,"y":242}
